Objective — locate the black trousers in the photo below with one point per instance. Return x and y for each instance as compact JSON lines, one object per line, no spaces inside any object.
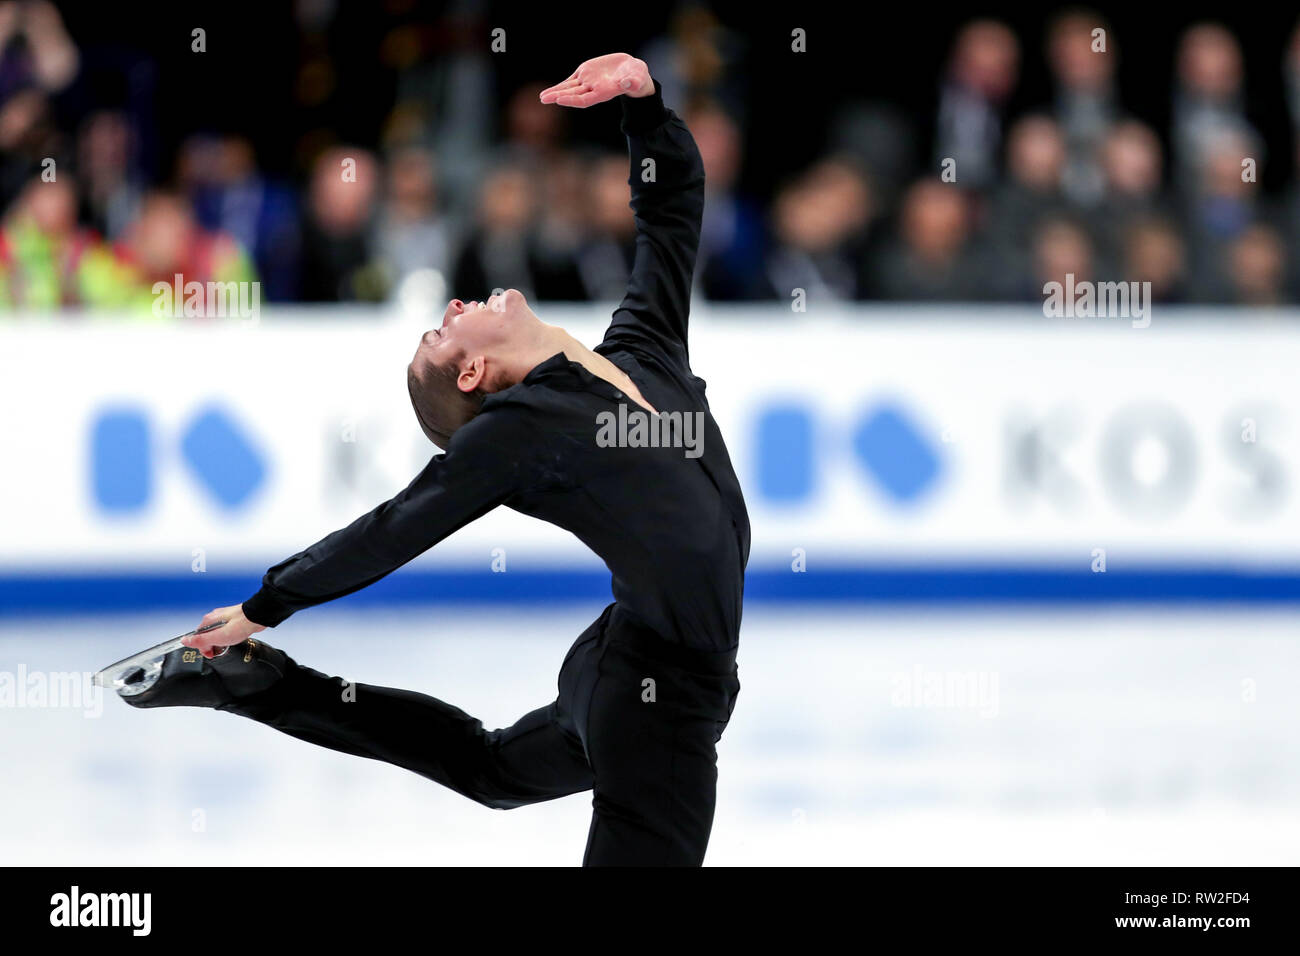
{"x":636,"y":721}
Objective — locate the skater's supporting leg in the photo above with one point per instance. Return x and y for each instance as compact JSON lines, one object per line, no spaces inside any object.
{"x":652,"y":747}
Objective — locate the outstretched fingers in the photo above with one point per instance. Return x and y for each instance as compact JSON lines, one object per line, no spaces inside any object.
{"x":598,"y":80}
{"x":584,"y":96}
{"x":569,"y":85}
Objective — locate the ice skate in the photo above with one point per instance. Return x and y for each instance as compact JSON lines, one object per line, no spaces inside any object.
{"x":173,"y":675}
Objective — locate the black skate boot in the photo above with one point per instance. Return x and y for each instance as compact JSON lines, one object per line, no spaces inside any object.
{"x":185,"y":678}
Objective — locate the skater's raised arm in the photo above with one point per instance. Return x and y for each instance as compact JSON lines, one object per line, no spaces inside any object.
{"x":667,"y":180}
{"x":484,"y":465}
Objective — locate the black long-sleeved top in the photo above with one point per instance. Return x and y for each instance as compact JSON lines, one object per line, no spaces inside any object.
{"x":672,"y":529}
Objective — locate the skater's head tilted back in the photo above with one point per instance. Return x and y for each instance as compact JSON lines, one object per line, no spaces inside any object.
{"x":485,"y":347}
{"x":480,"y":348}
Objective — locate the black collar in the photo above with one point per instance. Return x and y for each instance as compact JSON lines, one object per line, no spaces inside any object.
{"x":561,"y":372}
{"x":557,"y":365}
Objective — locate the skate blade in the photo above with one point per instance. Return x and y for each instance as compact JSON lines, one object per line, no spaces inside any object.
{"x":137,"y":673}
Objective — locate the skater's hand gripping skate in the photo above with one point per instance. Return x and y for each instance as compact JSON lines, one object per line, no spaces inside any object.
{"x":601,"y":79}
{"x":237,"y":630}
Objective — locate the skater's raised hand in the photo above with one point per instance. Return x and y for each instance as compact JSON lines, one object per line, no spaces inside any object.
{"x":236,"y":630}
{"x":601,"y":79}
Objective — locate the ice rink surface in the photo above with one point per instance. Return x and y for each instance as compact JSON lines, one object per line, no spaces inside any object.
{"x":1093,"y":737}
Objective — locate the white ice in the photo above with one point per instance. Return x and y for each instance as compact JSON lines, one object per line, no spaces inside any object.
{"x":1100,"y":738}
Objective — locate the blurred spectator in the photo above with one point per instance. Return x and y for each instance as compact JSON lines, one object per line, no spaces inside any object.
{"x":982,"y":72}
{"x":561,"y":230}
{"x":844,"y":191}
{"x":111,"y":188}
{"x":1257,"y":267}
{"x":533,"y":129}
{"x":1032,"y":194}
{"x":1223,"y":206}
{"x":1084,"y":104}
{"x":1154,"y":252}
{"x":1289,"y":220}
{"x":167,"y":241}
{"x":729,"y":265}
{"x":1291,"y":202}
{"x":496,"y":254}
{"x":28,"y":138}
{"x":931,"y":259}
{"x":883,"y":140}
{"x":230,"y":195}
{"x":699,"y":59}
{"x":1208,"y":101}
{"x":1291,"y":75}
{"x":1131,"y":167}
{"x":37,"y":60}
{"x":605,"y":259}
{"x":338,"y":263}
{"x":445,"y":99}
{"x":410,"y":234}
{"x":1062,"y":249}
{"x":818,"y":222}
{"x":47,"y":261}
{"x":35,"y":49}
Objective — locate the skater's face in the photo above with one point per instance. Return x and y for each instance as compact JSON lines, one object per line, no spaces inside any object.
{"x":477,"y":328}
{"x":455,"y":362}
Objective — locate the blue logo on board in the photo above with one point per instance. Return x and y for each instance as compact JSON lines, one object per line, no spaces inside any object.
{"x":892,"y":449}
{"x":215,"y":450}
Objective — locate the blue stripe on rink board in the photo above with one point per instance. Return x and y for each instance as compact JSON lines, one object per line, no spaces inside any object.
{"x":33,"y":593}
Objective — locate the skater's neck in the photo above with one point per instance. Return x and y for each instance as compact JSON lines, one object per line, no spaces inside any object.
{"x":549,"y":340}
{"x":543,"y":344}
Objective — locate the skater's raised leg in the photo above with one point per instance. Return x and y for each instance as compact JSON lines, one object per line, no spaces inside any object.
{"x":534,"y":759}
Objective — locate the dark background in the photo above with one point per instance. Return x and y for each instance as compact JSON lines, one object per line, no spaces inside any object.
{"x":245,"y":80}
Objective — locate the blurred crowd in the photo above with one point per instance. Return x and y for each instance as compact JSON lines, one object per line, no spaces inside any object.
{"x":1082,"y":187}
{"x":494,"y":196}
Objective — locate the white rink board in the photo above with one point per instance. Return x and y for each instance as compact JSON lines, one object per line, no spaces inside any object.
{"x":323,"y":399}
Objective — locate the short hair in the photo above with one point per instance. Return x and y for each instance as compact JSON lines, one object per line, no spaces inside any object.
{"x":440,"y":405}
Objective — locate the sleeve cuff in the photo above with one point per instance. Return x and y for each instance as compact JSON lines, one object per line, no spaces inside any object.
{"x":643,"y":113}
{"x":266,"y":609}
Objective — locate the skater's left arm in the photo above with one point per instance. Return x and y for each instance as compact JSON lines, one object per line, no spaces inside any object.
{"x":483,"y":466}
